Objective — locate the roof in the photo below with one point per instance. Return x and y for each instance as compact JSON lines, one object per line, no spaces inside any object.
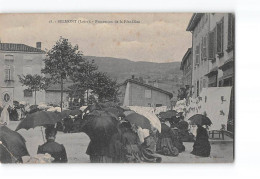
{"x":147,"y":86}
{"x":194,"y":21}
{"x":19,"y":47}
{"x":185,"y":57}
{"x":57,"y":88}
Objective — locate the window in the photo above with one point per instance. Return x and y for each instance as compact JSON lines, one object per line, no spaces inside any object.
{"x":220,"y":33}
{"x":9,"y":70}
{"x":158,"y":105}
{"x":197,"y":52}
{"x":198,"y":86}
{"x":204,"y":83}
{"x":27,"y":93}
{"x":231,"y":32}
{"x":148,"y":93}
{"x":211,"y":45}
{"x":9,"y":59}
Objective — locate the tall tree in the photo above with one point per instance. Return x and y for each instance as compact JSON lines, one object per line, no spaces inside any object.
{"x":34,"y":83}
{"x":105,"y":87}
{"x":61,"y":61}
{"x":87,"y":77}
{"x":84,"y":75}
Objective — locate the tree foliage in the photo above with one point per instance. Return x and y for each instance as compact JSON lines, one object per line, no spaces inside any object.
{"x":34,"y":82}
{"x":61,"y":61}
{"x":87,"y":77}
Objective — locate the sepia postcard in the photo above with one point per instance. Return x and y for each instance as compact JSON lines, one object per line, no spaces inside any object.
{"x":117,"y":87}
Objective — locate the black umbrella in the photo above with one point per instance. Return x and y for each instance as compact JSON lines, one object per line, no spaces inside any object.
{"x":199,"y":119}
{"x":39,"y":118}
{"x":138,"y":120}
{"x":100,"y":126}
{"x":12,"y":145}
{"x":168,"y":114}
{"x":66,"y":113}
{"x":116,"y":111}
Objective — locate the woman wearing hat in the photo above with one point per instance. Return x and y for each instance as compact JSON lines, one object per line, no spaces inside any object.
{"x":165,"y":145}
{"x":56,"y":150}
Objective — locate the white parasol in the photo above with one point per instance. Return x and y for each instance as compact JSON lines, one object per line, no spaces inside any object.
{"x":154,"y":120}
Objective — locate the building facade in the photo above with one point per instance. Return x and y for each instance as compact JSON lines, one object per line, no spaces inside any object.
{"x":212,"y":50}
{"x":186,"y":67}
{"x":19,"y":59}
{"x":135,"y":93}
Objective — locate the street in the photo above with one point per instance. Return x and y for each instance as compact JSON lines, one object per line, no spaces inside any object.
{"x":76,"y":145}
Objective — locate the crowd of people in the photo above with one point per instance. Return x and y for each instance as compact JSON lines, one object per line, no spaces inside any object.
{"x":131,"y":143}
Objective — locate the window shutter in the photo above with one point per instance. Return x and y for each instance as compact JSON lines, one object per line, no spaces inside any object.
{"x":211,"y":45}
{"x":201,"y":49}
{"x":215,"y":41}
{"x":205,"y":48}
{"x":197,"y":54}
{"x":12,"y":73}
{"x":219,"y":38}
{"x":231,"y":31}
{"x":6,"y":74}
{"x":222,"y":34}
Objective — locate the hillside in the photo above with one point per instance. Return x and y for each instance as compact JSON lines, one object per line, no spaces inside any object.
{"x":167,"y":75}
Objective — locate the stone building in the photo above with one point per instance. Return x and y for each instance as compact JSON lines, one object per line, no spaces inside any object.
{"x":136,"y":93}
{"x":19,"y":59}
{"x":186,"y":67}
{"x":212,"y":50}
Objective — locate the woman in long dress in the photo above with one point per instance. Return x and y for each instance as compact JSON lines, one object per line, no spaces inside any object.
{"x":165,"y":145}
{"x":201,"y":146}
{"x":99,"y":152}
{"x":131,"y":143}
{"x":148,"y":148}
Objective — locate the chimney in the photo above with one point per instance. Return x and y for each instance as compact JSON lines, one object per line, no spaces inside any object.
{"x":38,"y":45}
{"x":133,"y":77}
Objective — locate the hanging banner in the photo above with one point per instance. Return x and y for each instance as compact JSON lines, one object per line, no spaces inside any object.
{"x":214,"y":103}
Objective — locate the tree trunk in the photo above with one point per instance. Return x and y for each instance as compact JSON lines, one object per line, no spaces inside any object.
{"x":61,"y":93}
{"x":35,"y":97}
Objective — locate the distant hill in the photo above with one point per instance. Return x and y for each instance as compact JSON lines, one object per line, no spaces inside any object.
{"x":167,"y":75}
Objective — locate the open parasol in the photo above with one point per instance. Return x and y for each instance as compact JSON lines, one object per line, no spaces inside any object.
{"x":139,"y":120}
{"x":39,"y":118}
{"x":66,"y":113}
{"x":199,"y":119}
{"x":169,"y":114}
{"x":154,"y":120}
{"x":12,"y":145}
{"x":100,"y":126}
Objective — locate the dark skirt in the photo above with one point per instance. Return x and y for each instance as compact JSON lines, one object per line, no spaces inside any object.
{"x":165,"y":147}
{"x":148,"y":149}
{"x":132,"y":154}
{"x":201,"y":148}
{"x":100,"y":159}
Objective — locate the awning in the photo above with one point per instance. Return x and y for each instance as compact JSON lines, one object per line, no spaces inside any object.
{"x":229,"y":63}
{"x":212,"y":72}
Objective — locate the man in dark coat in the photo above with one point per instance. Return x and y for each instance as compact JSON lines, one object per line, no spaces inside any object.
{"x":56,"y":150}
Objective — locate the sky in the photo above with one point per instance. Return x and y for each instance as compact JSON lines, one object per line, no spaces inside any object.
{"x":154,"y":37}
